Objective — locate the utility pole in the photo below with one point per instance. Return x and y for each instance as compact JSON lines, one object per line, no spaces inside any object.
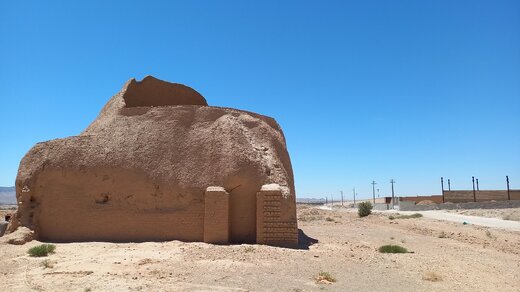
{"x":354,"y":192}
{"x":507,"y":181}
{"x":378,"y":193}
{"x":449,"y":185}
{"x":474,"y":195}
{"x":374,"y":191}
{"x":392,"y":181}
{"x":442,"y":187}
{"x":341,"y":198}
{"x":477,"y":185}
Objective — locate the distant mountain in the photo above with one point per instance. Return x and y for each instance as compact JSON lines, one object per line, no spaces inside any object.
{"x":7,"y":195}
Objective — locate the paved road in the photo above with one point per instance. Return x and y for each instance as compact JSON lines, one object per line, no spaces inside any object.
{"x":482,"y":221}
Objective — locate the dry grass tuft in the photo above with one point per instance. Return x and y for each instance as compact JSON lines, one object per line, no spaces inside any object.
{"x":489,"y":235}
{"x":144,"y":261}
{"x":432,"y":277}
{"x":397,"y":216}
{"x":325,"y":278}
{"x":249,"y":249}
{"x":308,"y":215}
{"x":47,"y":264}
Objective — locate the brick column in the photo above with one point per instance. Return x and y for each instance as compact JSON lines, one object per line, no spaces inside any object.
{"x":274,"y":223}
{"x":216,"y":215}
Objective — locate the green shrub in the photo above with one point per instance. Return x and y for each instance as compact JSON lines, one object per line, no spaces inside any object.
{"x":364,"y":209}
{"x":392,"y":249}
{"x":41,"y":250}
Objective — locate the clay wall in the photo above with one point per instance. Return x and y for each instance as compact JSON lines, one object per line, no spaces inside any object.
{"x":461,"y":196}
{"x":216,"y":215}
{"x":113,"y":205}
{"x":435,"y":198}
{"x":117,"y":205}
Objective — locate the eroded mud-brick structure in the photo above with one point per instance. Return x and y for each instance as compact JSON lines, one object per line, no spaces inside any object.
{"x":158,"y":163}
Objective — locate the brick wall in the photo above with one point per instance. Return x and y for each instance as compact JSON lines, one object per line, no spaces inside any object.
{"x":273,"y":226}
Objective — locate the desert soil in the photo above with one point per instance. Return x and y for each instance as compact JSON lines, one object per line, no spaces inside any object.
{"x":446,"y":257}
{"x":506,"y":214}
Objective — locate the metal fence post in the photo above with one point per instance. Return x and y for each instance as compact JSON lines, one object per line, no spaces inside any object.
{"x":474,"y":195}
{"x":508,"y":195}
{"x":442,"y":187}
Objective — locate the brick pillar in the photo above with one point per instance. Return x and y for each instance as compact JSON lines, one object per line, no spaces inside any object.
{"x":216,"y":215}
{"x":275,"y":223}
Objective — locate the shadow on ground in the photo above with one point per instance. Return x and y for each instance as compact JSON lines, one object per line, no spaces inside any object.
{"x":304,"y":241}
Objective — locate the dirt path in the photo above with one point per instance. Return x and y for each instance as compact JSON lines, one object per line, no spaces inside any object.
{"x":477,"y":220}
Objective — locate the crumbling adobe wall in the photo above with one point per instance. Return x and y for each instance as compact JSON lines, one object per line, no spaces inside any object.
{"x":140,"y":173}
{"x":154,"y":92}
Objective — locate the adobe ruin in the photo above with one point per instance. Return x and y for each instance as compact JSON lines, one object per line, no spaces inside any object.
{"x":159,"y":164}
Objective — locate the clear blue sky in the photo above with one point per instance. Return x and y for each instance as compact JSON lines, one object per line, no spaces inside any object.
{"x":364,"y":90}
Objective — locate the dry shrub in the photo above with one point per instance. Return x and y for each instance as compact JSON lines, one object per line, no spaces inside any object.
{"x":47,"y":264}
{"x":432,"y":277}
{"x":310,"y":215}
{"x":145,"y":261}
{"x":397,"y":216}
{"x":325,"y":278}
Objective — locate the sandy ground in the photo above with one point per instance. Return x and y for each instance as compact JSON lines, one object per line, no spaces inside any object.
{"x":446,"y":257}
{"x":512,"y":214}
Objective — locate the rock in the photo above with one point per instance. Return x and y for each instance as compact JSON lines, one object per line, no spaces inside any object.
{"x":19,"y":236}
{"x":141,"y":169}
